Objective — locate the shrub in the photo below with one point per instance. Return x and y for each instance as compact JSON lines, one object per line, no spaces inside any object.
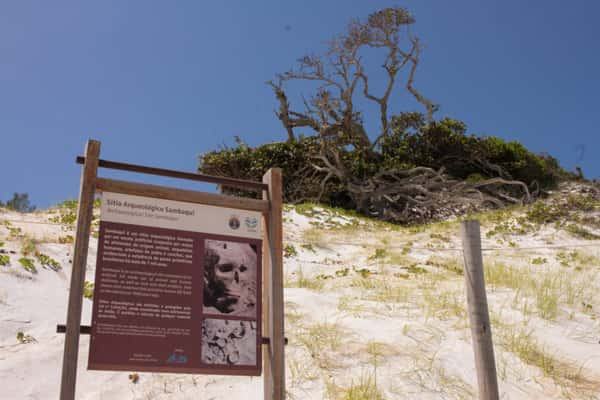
{"x":23,"y":338}
{"x":67,"y":213}
{"x":88,"y":290}
{"x":28,"y":264}
{"x":19,"y":202}
{"x":289,"y":251}
{"x":411,"y":143}
{"x":249,"y":163}
{"x":48,"y":261}
{"x":66,"y":239}
{"x":546,"y":213}
{"x":4,"y":260}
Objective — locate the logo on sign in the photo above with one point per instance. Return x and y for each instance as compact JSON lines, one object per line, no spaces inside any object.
{"x":234,"y":222}
{"x":251,"y":222}
{"x":177,"y":357}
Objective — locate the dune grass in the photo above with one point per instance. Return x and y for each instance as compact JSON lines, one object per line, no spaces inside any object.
{"x":566,"y":374}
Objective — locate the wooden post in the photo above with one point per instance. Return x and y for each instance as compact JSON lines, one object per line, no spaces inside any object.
{"x":82,"y":238}
{"x":273,"y":314}
{"x":478,"y":311}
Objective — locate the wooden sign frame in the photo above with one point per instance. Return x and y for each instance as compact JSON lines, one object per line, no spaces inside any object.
{"x":272,"y":297}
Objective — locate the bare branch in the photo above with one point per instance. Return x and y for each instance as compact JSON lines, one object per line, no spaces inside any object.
{"x":431,"y":108}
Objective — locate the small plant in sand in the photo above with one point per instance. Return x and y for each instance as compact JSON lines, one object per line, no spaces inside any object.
{"x":28,"y":245}
{"x":67,"y":213}
{"x":292,"y":314}
{"x":68,"y":239}
{"x":47,"y":261}
{"x":568,"y":375}
{"x":518,"y":226}
{"x":440,"y":237}
{"x":547,"y":294}
{"x":300,"y":280}
{"x":352,"y":305}
{"x":379,"y":254}
{"x":547,"y":289}
{"x":365,"y":388}
{"x":323,"y":341}
{"x":4,"y":260}
{"x":578,"y":260}
{"x":88,"y":290}
{"x":444,"y":304}
{"x":301,"y":368}
{"x":308,"y":247}
{"x":453,"y":265}
{"x":539,"y":261}
{"x":580,"y":232}
{"x":289,"y":251}
{"x":541,"y":213}
{"x":24,"y":339}
{"x":15,"y":233}
{"x":28,"y":264}
{"x":313,"y":237}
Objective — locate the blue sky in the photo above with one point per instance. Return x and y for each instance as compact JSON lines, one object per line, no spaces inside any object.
{"x":158,"y":83}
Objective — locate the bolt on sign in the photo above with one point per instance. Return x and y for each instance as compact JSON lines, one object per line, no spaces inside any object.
{"x":186,"y":281}
{"x":177,"y":287}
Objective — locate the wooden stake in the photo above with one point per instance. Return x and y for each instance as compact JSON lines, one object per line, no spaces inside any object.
{"x":478,"y":312}
{"x":82,"y":238}
{"x":273,"y":354}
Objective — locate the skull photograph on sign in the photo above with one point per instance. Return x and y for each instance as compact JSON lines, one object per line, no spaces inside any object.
{"x":230,"y":278}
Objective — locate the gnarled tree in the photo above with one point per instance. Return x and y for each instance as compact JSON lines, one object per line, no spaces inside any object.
{"x":391,"y":192}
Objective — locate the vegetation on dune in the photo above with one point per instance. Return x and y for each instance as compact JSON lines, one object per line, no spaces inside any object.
{"x":19,"y":202}
{"x":415,"y":168}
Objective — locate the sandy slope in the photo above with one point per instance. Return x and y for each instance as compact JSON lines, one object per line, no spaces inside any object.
{"x":363,"y":322}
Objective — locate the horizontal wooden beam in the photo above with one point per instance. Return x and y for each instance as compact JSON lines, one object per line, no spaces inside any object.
{"x":87,"y":330}
{"x":162,"y":192}
{"x":220,"y":180}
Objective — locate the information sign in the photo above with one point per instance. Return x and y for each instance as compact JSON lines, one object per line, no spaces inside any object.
{"x":177,"y":288}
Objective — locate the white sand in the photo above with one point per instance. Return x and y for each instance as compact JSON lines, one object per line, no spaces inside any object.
{"x":425,"y":352}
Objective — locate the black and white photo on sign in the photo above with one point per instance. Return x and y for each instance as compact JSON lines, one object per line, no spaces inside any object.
{"x":230,"y":270}
{"x":228,"y":342}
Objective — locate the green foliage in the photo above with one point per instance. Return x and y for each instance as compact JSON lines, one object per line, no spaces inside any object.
{"x":379,"y":253}
{"x":48,"y":261}
{"x":19,"y":202}
{"x":28,"y":246}
{"x":411,"y":143}
{"x":88,"y":290}
{"x":4,"y":260}
{"x":446,"y":144}
{"x":546,"y":213}
{"x":28,"y":264}
{"x":289,"y":251}
{"x":15,"y":233}
{"x":67,"y":213}
{"x":23,"y":338}
{"x":251,"y":163}
{"x":518,"y":226}
{"x":308,"y":247}
{"x":68,"y":239}
{"x":581,"y":232}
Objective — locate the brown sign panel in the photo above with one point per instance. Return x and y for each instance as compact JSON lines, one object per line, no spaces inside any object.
{"x":177,"y":288}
